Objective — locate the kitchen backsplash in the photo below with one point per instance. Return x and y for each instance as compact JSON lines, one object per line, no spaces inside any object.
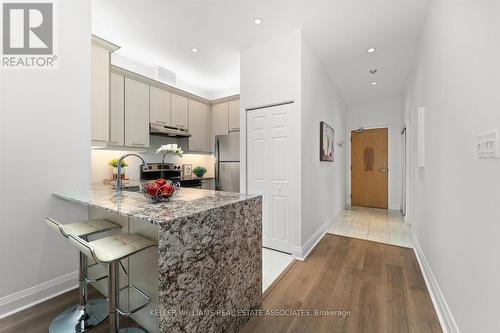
{"x":100,"y":158}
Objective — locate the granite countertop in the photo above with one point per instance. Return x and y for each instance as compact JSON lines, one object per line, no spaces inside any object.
{"x":193,"y":177}
{"x":188,"y":201}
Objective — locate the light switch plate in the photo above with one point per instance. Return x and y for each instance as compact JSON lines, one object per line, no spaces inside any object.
{"x":487,"y":145}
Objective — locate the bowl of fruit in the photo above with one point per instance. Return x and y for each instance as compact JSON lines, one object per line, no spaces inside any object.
{"x":160,"y":190}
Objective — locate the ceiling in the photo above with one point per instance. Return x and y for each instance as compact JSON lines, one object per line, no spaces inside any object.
{"x":163,"y":32}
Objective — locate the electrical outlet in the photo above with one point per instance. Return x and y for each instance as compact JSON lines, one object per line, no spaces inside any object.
{"x":487,"y":145}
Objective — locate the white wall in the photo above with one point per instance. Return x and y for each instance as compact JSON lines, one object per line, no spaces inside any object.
{"x":386,"y":113}
{"x":100,"y":158}
{"x":323,"y":183}
{"x":44,"y":147}
{"x":455,"y":209}
{"x":284,"y":69}
{"x":270,"y":73}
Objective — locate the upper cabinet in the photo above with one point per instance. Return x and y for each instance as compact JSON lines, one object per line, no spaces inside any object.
{"x":159,"y":112}
{"x":117,"y":113}
{"x":100,"y":93}
{"x":136,"y":114}
{"x":220,"y":122}
{"x":234,"y":115}
{"x":179,"y":111}
{"x":199,"y":127}
{"x":124,"y":104}
{"x":226,"y":117}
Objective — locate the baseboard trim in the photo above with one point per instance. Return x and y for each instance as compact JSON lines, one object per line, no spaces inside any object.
{"x":29,"y":297}
{"x":301,"y":253}
{"x":444,"y":314}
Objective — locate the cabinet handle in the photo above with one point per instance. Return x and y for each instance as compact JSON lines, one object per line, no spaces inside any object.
{"x":138,"y":144}
{"x":180,"y":126}
{"x":113,"y":142}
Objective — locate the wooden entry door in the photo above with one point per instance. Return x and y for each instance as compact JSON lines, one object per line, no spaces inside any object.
{"x":369,"y":168}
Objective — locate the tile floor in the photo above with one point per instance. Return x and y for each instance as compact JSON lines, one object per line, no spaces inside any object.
{"x":379,"y":225}
{"x":273,"y":263}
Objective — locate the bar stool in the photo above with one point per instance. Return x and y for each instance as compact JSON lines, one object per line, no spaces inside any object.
{"x":110,"y":250}
{"x":87,"y":313}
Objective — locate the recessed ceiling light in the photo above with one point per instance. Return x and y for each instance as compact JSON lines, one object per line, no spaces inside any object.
{"x":257,"y":20}
{"x":195,"y":49}
{"x":371,"y":50}
{"x":374,"y":83}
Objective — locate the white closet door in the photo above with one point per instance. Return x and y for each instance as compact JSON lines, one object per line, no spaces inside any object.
{"x":270,"y":156}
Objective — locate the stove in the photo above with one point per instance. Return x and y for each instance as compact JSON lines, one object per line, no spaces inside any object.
{"x":171,"y":171}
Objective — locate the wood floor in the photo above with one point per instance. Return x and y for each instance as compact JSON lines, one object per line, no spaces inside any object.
{"x":381,"y":285}
{"x":37,"y":319}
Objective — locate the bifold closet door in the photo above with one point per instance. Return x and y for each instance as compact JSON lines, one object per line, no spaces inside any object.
{"x":269,"y":161}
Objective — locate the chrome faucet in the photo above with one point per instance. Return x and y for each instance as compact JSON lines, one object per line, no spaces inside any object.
{"x":118,"y":183}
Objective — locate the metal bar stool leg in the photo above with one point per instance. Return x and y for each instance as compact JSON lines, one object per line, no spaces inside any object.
{"x":113,"y":291}
{"x":84,"y":316}
{"x":114,"y":301}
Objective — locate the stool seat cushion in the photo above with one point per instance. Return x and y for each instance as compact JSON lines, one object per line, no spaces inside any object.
{"x":111,"y":248}
{"x":88,"y":227}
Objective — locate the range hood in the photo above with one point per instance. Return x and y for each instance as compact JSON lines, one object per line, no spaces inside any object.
{"x":173,"y":132}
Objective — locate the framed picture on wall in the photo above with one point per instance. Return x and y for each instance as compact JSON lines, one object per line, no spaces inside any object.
{"x":326,"y":140}
{"x":187,"y":170}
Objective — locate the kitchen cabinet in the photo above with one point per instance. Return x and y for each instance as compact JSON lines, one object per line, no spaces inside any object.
{"x":179,"y":111}
{"x":199,"y":127}
{"x":159,"y":112}
{"x":136,"y":113}
{"x":220,"y":119}
{"x":100,"y":80}
{"x":234,"y":115}
{"x":117,"y":110}
{"x":208,"y":184}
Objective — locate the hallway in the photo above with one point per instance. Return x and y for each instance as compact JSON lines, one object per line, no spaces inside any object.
{"x":378,"y":225}
{"x":357,"y":286}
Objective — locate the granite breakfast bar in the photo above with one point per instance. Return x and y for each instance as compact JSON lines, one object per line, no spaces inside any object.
{"x":208,"y":264}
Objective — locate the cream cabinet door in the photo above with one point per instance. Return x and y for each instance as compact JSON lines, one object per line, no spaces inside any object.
{"x":199,"y":127}
{"x":136,"y":113}
{"x":159,"y":112}
{"x":100,"y":93}
{"x":179,"y":111}
{"x":234,"y":115}
{"x":220,"y":116}
{"x":117,"y":113}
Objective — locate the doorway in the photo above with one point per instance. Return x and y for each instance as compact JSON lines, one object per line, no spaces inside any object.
{"x":370,"y":168}
{"x":405,"y":152}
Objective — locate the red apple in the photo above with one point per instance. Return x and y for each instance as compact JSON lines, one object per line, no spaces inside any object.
{"x":152,"y":189}
{"x":160,"y":182}
{"x":167,"y":190}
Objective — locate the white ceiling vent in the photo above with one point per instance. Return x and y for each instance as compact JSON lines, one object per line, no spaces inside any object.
{"x":164,"y":75}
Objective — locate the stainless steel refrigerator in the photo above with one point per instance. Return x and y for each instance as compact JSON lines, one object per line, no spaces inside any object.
{"x":227,"y":162}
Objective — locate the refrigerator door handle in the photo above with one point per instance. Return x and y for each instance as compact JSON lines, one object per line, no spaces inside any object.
{"x":217,"y":169}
